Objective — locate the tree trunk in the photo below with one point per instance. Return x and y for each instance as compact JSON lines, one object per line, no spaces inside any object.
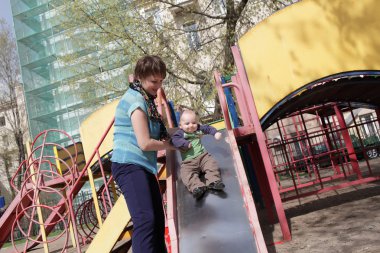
{"x":21,"y":155}
{"x":6,"y":160}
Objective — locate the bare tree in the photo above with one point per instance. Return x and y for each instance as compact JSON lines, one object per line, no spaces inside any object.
{"x":11,"y":99}
{"x":194,"y":39}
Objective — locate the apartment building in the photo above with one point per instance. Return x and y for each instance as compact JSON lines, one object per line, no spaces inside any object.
{"x":9,"y":152}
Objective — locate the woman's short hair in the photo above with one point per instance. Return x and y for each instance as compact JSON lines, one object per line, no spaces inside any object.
{"x":149,"y":65}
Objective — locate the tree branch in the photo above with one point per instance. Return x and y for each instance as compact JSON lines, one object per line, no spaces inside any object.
{"x":190,"y":11}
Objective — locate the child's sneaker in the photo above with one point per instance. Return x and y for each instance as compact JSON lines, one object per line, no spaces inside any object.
{"x":199,"y":191}
{"x":217,"y":185}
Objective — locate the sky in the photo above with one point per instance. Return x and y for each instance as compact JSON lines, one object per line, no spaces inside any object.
{"x":5,"y":11}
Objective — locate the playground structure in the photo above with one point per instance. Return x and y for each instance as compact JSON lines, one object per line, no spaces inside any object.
{"x":293,"y":139}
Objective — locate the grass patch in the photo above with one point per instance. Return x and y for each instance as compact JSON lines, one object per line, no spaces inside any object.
{"x":20,"y":241}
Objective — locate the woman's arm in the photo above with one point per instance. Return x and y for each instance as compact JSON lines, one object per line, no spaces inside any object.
{"x":141,"y":129}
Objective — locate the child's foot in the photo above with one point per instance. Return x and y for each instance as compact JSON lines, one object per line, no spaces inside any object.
{"x":217,"y":185}
{"x":199,"y":191}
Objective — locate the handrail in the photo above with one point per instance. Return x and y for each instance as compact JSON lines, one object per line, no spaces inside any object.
{"x":240,"y":98}
{"x":222,"y":100}
{"x":71,"y":191}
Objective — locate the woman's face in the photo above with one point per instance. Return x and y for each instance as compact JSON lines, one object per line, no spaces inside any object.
{"x":151,"y":84}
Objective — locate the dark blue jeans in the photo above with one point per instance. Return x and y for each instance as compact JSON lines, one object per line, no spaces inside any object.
{"x":142,"y":194}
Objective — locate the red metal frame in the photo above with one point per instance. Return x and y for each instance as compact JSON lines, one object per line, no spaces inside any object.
{"x":332,"y":130}
{"x":329,"y":128}
{"x":251,"y":108}
{"x":40,"y":176}
{"x":239,"y":167}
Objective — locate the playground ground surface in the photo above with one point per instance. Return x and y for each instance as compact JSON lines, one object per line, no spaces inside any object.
{"x":341,"y":221}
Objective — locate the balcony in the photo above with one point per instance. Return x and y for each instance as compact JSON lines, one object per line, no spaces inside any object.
{"x":180,"y":5}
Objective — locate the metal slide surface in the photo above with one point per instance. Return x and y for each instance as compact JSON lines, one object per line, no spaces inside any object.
{"x":217,"y":222}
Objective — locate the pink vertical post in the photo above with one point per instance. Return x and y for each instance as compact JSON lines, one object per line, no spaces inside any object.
{"x":348,"y":142}
{"x":328,"y":143}
{"x":171,"y":198}
{"x":258,"y":166}
{"x":338,"y":144}
{"x":241,"y":98}
{"x":315,"y":169}
{"x":360,"y":140}
{"x":304,"y":146}
{"x":262,"y":145}
{"x":290,"y":163}
{"x":159,"y":101}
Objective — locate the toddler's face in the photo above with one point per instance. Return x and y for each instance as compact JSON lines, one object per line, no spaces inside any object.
{"x":189,"y":122}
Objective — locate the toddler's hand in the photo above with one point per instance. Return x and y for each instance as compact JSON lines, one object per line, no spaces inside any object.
{"x":189,"y":145}
{"x":218,"y":136}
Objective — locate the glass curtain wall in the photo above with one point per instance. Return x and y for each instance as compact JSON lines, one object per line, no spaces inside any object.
{"x":51,"y":102}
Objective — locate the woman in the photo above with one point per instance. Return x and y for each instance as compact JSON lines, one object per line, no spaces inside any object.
{"x":138,"y":134}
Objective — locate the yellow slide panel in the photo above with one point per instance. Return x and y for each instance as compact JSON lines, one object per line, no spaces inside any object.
{"x":112,"y":228}
{"x":307,"y":41}
{"x":94,"y":126}
{"x":219,"y":125}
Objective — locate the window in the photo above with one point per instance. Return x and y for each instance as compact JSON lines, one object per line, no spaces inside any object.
{"x":2,"y":121}
{"x":5,"y":141}
{"x":192,"y":35}
{"x":368,"y":127}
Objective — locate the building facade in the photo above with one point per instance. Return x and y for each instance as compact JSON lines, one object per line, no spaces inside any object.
{"x":8,"y":153}
{"x":13,"y":120}
{"x":51,"y":101}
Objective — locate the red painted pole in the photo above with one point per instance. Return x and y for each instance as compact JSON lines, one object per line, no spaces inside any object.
{"x":327,"y":141}
{"x":261,"y":141}
{"x":348,"y":142}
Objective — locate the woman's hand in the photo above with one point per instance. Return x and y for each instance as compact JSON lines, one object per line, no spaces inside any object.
{"x":168,"y":145}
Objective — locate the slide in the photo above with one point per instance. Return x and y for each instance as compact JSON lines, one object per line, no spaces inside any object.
{"x":219,"y":221}
{"x":117,"y":220}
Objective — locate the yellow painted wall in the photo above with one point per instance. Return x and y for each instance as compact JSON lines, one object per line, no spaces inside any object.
{"x":94,"y":126}
{"x":219,"y":125}
{"x":308,"y":41}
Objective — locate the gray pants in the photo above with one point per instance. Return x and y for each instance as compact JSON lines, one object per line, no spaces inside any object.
{"x":204,"y":163}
